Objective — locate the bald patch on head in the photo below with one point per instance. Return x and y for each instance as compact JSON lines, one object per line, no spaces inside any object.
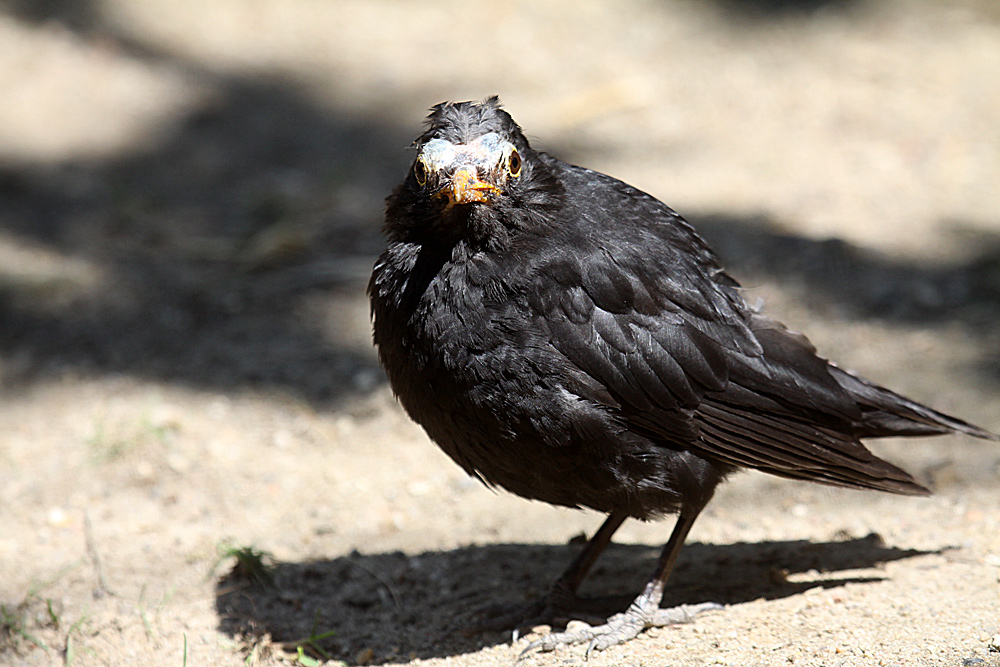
{"x":443,"y":155}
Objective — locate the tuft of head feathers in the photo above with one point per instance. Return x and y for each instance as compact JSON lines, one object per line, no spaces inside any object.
{"x":462,"y":122}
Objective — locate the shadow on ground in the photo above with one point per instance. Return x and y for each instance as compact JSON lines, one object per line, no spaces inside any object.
{"x":401,"y":606}
{"x":193,"y":257}
{"x":835,"y":277}
{"x":743,"y":11}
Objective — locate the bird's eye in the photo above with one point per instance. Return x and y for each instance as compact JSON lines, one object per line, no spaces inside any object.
{"x":514,"y":163}
{"x":420,"y":171}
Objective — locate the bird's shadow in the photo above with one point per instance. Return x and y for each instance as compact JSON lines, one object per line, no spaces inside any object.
{"x":390,"y":606}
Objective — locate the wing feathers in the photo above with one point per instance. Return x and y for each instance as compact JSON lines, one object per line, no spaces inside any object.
{"x":797,"y":450}
{"x":668,"y":343}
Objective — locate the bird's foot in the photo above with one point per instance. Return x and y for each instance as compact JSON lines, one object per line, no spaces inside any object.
{"x":642,"y":613}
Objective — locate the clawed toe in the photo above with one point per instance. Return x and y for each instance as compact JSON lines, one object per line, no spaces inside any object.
{"x":620,"y":628}
{"x":684,"y":613}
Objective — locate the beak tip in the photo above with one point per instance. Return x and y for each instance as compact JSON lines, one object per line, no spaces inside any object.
{"x":466,"y":188}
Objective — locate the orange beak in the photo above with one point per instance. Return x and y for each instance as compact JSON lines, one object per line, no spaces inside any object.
{"x":467,"y":188}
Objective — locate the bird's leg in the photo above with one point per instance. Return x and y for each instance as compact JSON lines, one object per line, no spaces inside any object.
{"x":644,"y":612}
{"x":561,"y":599}
{"x":563,"y":592}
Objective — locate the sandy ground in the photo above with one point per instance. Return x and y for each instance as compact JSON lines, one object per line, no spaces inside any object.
{"x":190,"y":202}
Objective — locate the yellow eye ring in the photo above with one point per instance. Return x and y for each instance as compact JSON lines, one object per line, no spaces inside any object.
{"x":514,"y":163}
{"x":420,"y":172}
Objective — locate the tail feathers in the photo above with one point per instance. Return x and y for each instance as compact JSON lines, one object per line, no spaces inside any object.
{"x":886,"y":413}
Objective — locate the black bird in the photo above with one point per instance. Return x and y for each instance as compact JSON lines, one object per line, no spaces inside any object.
{"x":562,"y":335}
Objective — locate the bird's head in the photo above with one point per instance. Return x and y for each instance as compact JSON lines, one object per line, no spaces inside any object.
{"x":478,"y":171}
{"x":474,"y":174}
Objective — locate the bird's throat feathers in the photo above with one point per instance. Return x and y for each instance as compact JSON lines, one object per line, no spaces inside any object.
{"x":479,"y":226}
{"x":487,"y":225}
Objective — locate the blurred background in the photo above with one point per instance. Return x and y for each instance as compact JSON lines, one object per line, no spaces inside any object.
{"x":191,"y":200}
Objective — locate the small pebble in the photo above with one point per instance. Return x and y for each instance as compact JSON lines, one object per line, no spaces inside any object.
{"x":419,"y":488}
{"x":57,"y":517}
{"x":145,"y":470}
